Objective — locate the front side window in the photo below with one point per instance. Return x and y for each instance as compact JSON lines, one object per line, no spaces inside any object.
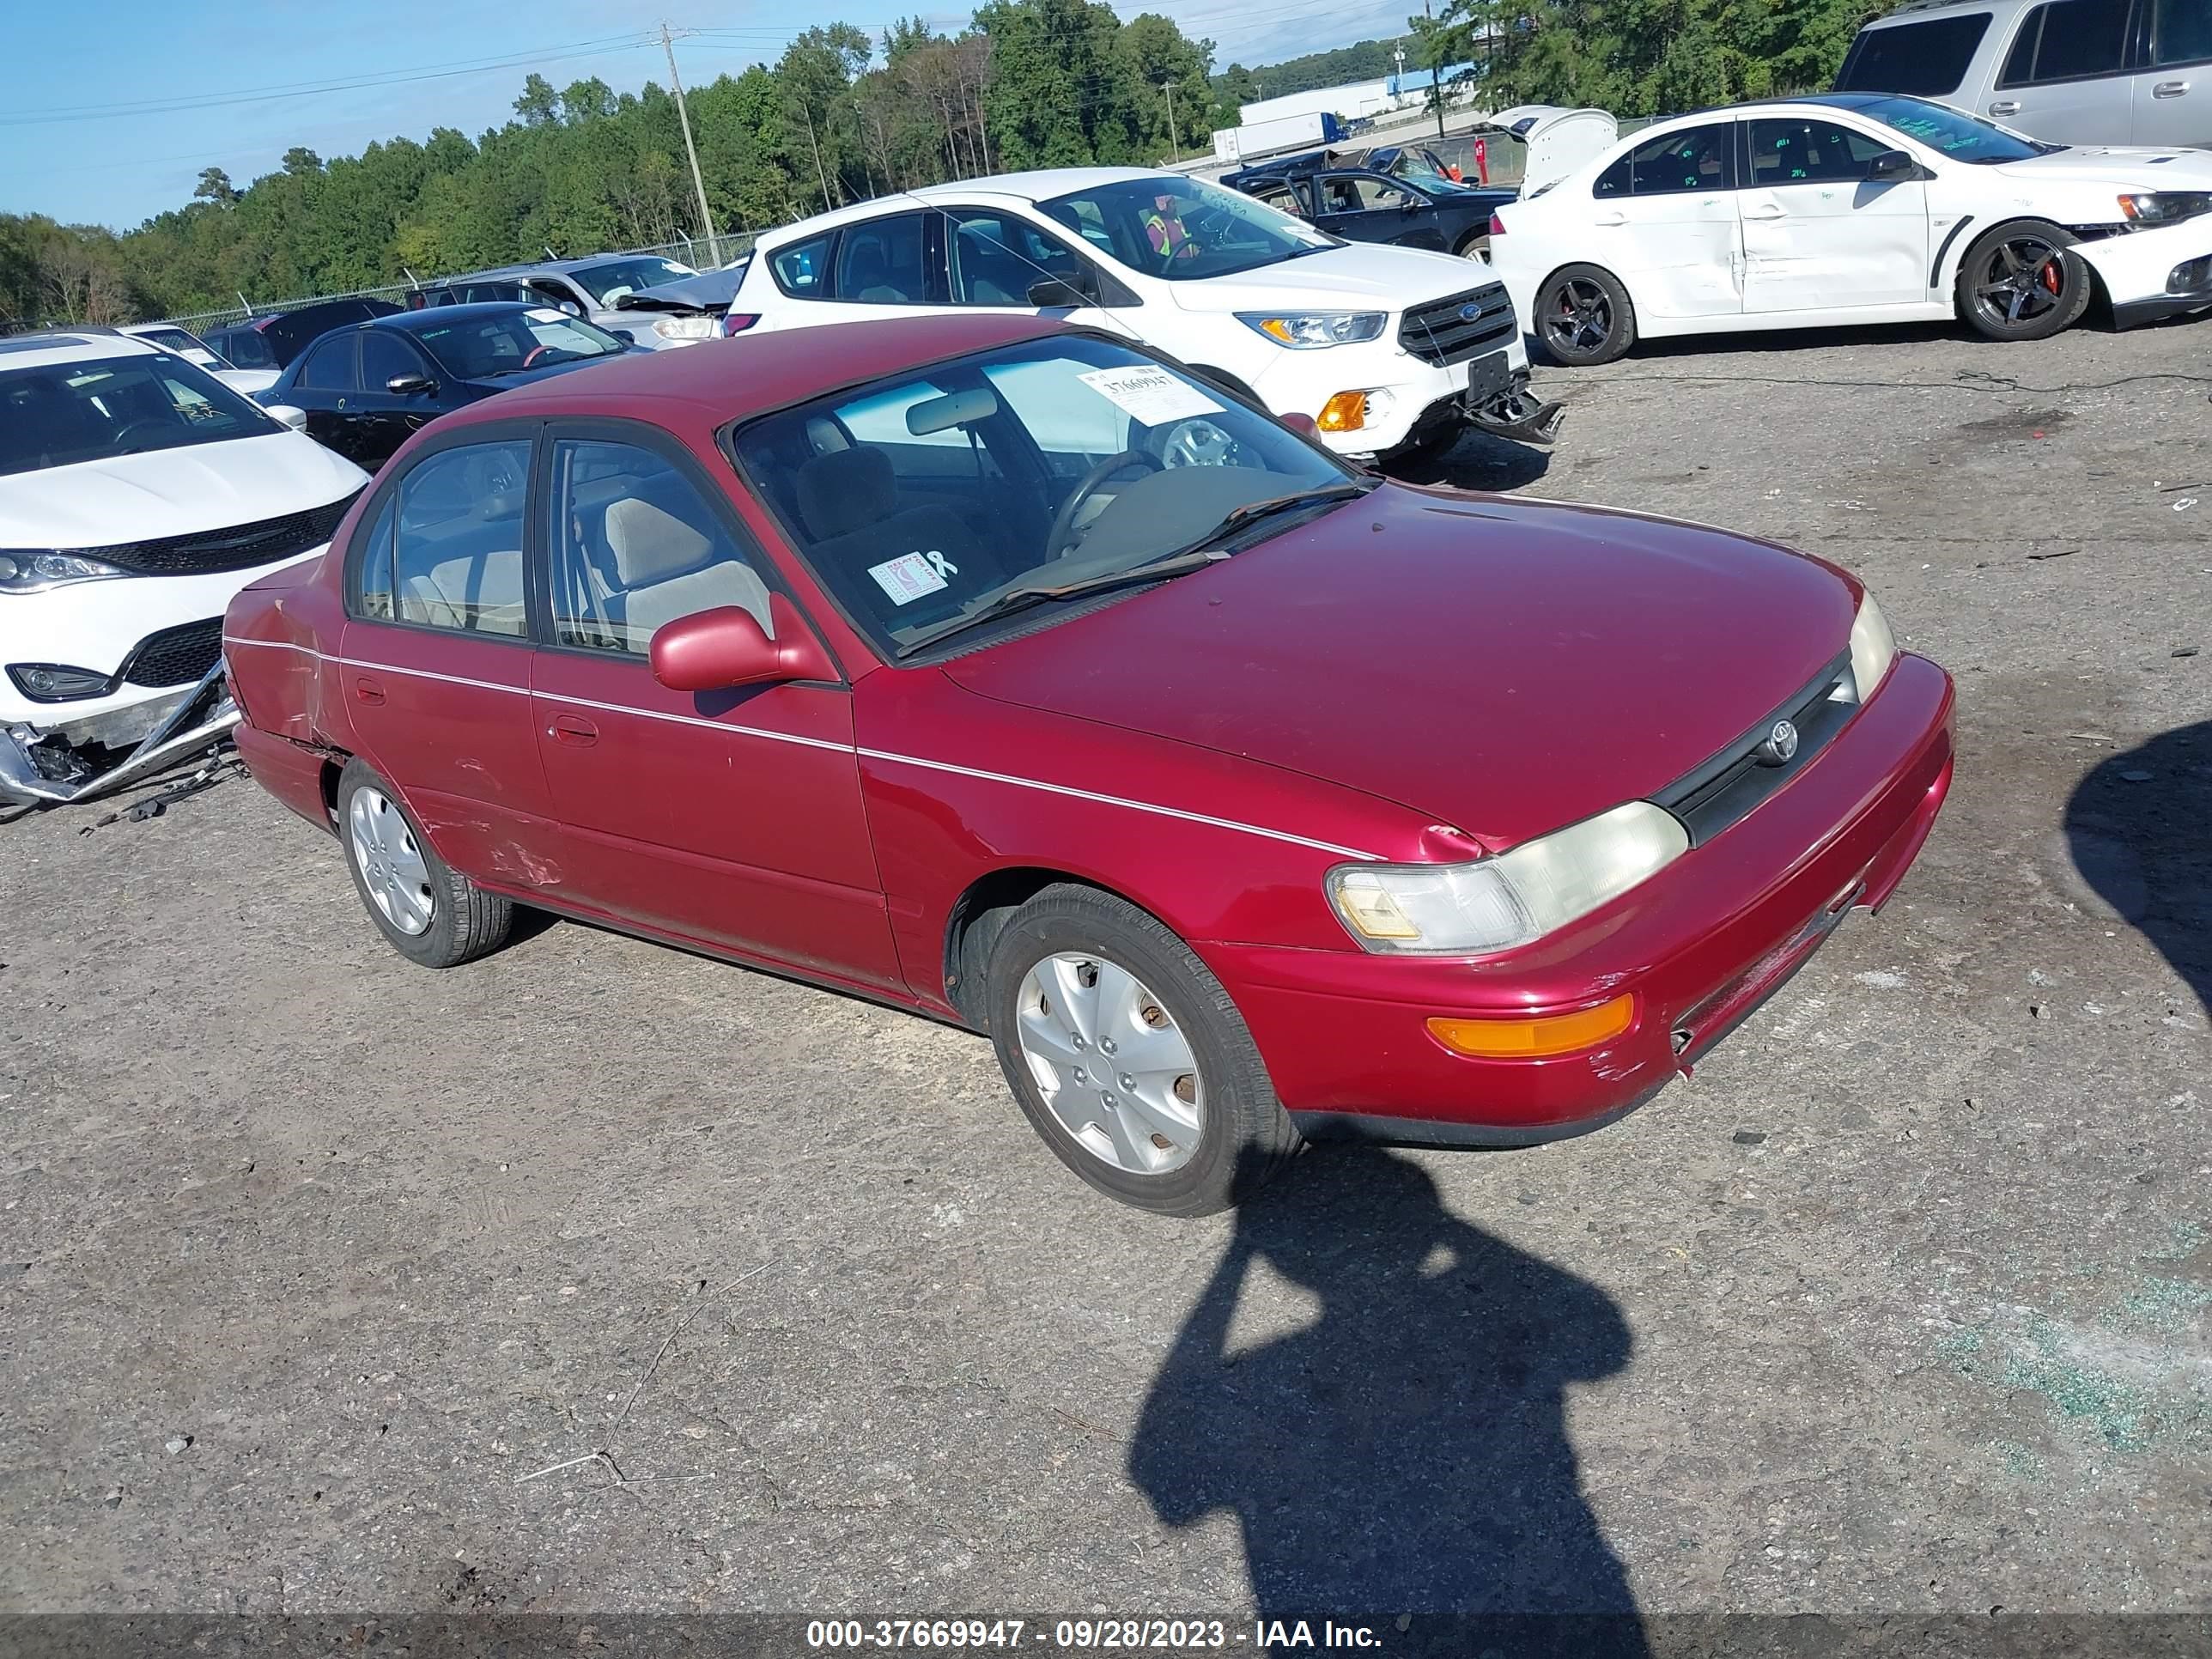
{"x":1091,"y":459}
{"x":1925,"y":60}
{"x":1962,"y":137}
{"x":1375,"y":195}
{"x":1794,"y":152}
{"x":329,"y":366}
{"x":94,"y":410}
{"x":457,"y":542}
{"x":1699,"y":158}
{"x":997,"y":259}
{"x":885,"y":262}
{"x":383,"y":357}
{"x":1183,"y":229}
{"x":2067,"y":40}
{"x":637,"y":546}
{"x":608,"y":282}
{"x":2180,"y":31}
{"x":486,"y":346}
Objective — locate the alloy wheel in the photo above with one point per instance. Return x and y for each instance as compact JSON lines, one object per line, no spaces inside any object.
{"x":1580,"y":318}
{"x":1114,"y":1067}
{"x":392,"y":865}
{"x":2024,"y":278}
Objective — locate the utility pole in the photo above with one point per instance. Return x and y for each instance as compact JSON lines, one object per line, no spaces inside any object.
{"x":684,"y":117}
{"x":1167,"y":86}
{"x":1436,"y":67}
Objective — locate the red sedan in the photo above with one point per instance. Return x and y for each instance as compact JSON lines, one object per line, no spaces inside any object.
{"x":1010,"y":674}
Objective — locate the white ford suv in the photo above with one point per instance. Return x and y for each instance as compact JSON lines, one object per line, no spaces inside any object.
{"x":138,"y":496}
{"x":1385,"y":348}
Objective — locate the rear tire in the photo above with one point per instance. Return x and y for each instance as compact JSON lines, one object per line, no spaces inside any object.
{"x":1129,"y":1057}
{"x":1584,"y":316}
{"x":1475,"y":245}
{"x":426,"y":910}
{"x":2022,"y":281}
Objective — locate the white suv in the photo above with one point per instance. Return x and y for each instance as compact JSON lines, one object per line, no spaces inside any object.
{"x":1384,"y":348}
{"x":2071,"y":71}
{"x":138,"y":496}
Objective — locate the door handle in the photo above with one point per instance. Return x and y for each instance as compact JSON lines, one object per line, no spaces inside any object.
{"x":572,"y":729}
{"x":2005,"y":106}
{"x":367,"y":690}
{"x":2169,"y":89}
{"x":1615,"y":217}
{"x":1769,"y":211}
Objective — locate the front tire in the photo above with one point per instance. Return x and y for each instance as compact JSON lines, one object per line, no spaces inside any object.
{"x":2022,"y":281}
{"x":1584,"y":316}
{"x":1129,"y":1058}
{"x":1475,"y":245}
{"x":426,"y":910}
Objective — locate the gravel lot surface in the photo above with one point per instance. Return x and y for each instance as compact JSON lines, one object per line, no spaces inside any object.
{"x":311,"y":1261}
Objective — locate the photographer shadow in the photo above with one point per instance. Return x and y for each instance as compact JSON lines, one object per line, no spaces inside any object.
{"x":2136,"y":828}
{"x":1407,"y":1453}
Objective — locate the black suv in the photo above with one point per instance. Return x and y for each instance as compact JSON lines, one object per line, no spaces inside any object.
{"x":273,"y":342}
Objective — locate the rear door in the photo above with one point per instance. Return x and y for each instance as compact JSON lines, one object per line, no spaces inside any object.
{"x":2064,"y":74}
{"x":734,"y":818}
{"x":1665,"y":221}
{"x":435,"y":656}
{"x":1818,"y":233}
{"x":2172,"y":92}
{"x":328,"y":386}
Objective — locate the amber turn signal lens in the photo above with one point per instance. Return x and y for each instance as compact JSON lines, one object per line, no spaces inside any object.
{"x":1345,"y":412}
{"x":1530,"y":1039}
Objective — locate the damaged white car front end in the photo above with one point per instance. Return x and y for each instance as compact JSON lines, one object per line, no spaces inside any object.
{"x":2151,"y":274}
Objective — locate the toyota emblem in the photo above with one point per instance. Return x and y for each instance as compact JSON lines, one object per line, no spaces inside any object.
{"x":1470,"y":311}
{"x":1781,"y":745}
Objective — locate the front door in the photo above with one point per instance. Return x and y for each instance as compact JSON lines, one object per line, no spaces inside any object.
{"x":1819,"y":233}
{"x":732,"y":818}
{"x":435,"y":660}
{"x":1664,"y":221}
{"x":2173,"y":90}
{"x":1366,"y":207}
{"x":386,"y":419}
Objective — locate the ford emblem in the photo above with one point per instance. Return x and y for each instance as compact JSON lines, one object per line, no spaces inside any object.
{"x":1470,"y":311}
{"x":1780,"y":747}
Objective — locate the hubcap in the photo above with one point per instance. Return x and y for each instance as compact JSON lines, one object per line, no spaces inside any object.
{"x":1580,"y":318}
{"x":391,"y":864}
{"x":1111,"y":1063}
{"x":2023,"y":279}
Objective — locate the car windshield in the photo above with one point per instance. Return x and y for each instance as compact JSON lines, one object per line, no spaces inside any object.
{"x":932,"y":501}
{"x":486,"y":346}
{"x":60,"y":414}
{"x":608,"y":282}
{"x":173,"y":339}
{"x":1183,"y":229}
{"x":1962,"y":137}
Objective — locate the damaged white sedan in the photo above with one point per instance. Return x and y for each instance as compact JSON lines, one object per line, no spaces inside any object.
{"x":1851,"y":208}
{"x":138,"y":496}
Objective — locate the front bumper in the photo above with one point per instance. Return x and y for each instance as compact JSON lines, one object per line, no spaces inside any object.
{"x":1343,"y":1033}
{"x":1403,"y":391}
{"x":2148,"y":274}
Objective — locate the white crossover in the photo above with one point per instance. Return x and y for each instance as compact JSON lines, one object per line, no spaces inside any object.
{"x":1384,"y":348}
{"x":138,"y":495}
{"x":1851,"y":208}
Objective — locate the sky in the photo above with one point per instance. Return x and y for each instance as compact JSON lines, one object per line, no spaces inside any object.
{"x":111,"y":123}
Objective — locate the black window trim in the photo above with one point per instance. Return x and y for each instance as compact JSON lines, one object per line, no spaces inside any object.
{"x":537,"y":568}
{"x":527,"y":430}
{"x":2134,"y":51}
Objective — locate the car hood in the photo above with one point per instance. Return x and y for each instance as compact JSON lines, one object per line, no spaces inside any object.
{"x":171,"y":492}
{"x":2126,"y":167}
{"x":1505,"y":667}
{"x":1359,"y":273}
{"x":492,"y":385}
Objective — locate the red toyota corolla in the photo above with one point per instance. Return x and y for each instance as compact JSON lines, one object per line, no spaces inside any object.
{"x":1010,"y":674}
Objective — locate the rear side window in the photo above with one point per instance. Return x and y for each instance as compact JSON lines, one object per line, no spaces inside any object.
{"x":1925,"y":60}
{"x":373,"y":566}
{"x":2180,"y":31}
{"x":246,"y":349}
{"x":456,"y":545}
{"x":885,"y":262}
{"x":802,"y":270}
{"x":2067,"y":40}
{"x":1701,"y":158}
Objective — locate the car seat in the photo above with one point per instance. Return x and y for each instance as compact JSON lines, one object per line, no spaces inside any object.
{"x":849,"y":502}
{"x":669,"y":568}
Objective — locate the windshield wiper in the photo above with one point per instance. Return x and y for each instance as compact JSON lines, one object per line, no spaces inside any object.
{"x":1252,"y":512}
{"x":1030,"y":594}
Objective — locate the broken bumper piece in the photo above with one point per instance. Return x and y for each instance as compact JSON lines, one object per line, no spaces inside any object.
{"x":1519,"y":414}
{"x":41,"y":768}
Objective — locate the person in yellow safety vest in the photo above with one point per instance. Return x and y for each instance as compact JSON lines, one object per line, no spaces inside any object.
{"x":1163,"y":228}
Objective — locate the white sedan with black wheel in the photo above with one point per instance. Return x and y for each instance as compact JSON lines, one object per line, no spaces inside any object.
{"x":1851,"y":209}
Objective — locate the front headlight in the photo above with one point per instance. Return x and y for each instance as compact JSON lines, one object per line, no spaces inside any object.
{"x":688,"y":328}
{"x":2164,"y":207}
{"x":1494,"y":904}
{"x":1874,"y":648}
{"x":29,"y":570}
{"x":1312,"y":330}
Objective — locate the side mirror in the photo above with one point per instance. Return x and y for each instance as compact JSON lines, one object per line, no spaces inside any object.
{"x":288,"y":414}
{"x":1303,"y":425}
{"x":717,"y":650}
{"x":406,"y":386}
{"x":1054,"y":295}
{"x":1892,"y":164}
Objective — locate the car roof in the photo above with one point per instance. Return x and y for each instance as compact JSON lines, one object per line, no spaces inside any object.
{"x":1913,"y":11}
{"x":720,"y":381}
{"x":443,"y":316}
{"x":1042,"y":185}
{"x":546,"y":267}
{"x":43,"y":347}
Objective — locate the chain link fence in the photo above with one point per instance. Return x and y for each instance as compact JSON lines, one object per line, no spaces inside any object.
{"x":688,"y":252}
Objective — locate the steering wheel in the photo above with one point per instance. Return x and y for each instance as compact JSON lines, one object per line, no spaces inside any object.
{"x":147,"y":424}
{"x":1063,"y":522}
{"x":536,"y":352}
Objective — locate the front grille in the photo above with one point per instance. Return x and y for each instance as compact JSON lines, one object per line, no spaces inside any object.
{"x":235,"y":548}
{"x":1728,"y":787}
{"x":1436,"y":333}
{"x":176,"y":656}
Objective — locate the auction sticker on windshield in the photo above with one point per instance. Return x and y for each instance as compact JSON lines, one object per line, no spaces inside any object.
{"x":1151,"y":396}
{"x":911,"y":575}
{"x":546,"y":314}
